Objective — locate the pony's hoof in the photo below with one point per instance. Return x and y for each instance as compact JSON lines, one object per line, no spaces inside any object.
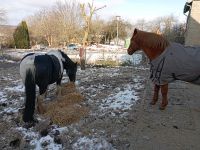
{"x":30,"y":124}
{"x":163,"y":106}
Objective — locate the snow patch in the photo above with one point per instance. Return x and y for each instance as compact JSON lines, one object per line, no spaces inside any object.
{"x":2,"y":97}
{"x":18,"y":88}
{"x":10,"y":110}
{"x":6,"y":60}
{"x":91,"y":144}
{"x":121,"y":101}
{"x":46,"y":142}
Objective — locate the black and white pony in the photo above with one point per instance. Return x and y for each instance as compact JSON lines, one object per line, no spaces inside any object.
{"x":42,"y":70}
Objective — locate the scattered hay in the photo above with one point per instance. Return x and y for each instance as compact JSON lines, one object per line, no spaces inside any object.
{"x":68,"y":88}
{"x":63,"y":101}
{"x":67,"y":115}
{"x":66,"y":109}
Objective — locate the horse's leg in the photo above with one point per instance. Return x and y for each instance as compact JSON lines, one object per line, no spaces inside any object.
{"x":45,"y":93}
{"x":164,"y":91}
{"x":155,"y":95}
{"x":41,"y":109}
{"x":59,"y":88}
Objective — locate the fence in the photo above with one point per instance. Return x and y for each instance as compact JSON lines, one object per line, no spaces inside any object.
{"x":92,"y":56}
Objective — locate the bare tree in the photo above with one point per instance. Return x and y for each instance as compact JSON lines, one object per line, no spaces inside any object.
{"x":169,"y":22}
{"x":69,"y":20}
{"x":2,"y":15}
{"x":141,"y":24}
{"x":49,"y":26}
{"x":87,"y":19}
{"x":155,"y":25}
{"x":168,"y":26}
{"x":59,"y":24}
{"x":110,"y":29}
{"x":43,"y":24}
{"x":97,"y":28}
{"x":2,"y":32}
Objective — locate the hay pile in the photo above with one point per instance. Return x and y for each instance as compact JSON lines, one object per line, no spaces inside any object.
{"x":68,"y":88}
{"x":66,"y":109}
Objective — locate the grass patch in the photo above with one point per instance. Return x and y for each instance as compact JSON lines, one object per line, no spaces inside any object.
{"x":107,"y":63}
{"x":111,"y":63}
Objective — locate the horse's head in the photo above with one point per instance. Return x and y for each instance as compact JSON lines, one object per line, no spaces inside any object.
{"x":71,"y":72}
{"x":70,"y":67}
{"x":133,"y":43}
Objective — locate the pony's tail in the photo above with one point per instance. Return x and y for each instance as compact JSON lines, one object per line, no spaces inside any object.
{"x":30,"y":91}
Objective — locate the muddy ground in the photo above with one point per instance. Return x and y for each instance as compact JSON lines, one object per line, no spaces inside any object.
{"x":112,"y":96}
{"x":119,"y":115}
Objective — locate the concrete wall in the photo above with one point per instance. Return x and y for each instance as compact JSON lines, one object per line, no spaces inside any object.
{"x":192,"y":36}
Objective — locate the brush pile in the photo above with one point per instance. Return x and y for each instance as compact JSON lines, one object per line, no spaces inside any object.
{"x":66,"y":109}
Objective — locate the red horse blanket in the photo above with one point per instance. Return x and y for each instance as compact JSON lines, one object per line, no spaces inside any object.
{"x":177,"y":62}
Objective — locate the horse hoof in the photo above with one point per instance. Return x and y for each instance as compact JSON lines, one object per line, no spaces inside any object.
{"x":163,"y":106}
{"x":29,"y":124}
{"x":152,"y":102}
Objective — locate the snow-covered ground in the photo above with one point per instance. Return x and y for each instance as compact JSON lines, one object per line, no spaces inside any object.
{"x":93,"y":54}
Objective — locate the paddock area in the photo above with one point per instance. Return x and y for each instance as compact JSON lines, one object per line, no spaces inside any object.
{"x":108,"y":95}
{"x":108,"y":99}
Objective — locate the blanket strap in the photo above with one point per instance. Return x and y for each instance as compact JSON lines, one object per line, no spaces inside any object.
{"x":174,"y":76}
{"x":197,"y":78}
{"x":155,"y":76}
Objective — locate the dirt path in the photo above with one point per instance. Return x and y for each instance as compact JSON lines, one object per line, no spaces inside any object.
{"x":177,"y":127}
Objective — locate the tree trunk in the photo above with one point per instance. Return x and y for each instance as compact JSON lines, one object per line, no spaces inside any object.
{"x":83,"y":56}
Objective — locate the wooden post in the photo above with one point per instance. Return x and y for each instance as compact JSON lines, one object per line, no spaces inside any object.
{"x":82,"y":59}
{"x":87,"y":18}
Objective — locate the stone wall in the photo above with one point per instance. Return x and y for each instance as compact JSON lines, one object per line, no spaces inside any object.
{"x":192,"y":36}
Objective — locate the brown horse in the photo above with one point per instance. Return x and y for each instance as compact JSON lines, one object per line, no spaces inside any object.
{"x":169,"y":62}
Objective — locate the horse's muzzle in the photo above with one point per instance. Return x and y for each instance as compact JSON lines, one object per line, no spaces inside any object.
{"x":129,"y":51}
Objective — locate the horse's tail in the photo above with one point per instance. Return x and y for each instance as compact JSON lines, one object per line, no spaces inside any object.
{"x":30,"y":91}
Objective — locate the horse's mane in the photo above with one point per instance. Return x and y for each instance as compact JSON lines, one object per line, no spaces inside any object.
{"x":151,"y":40}
{"x":67,"y":59}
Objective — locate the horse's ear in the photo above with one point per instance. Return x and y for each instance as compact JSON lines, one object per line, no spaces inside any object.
{"x":135,"y":31}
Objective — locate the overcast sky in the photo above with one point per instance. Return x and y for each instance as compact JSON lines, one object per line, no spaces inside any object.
{"x":132,"y":10}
